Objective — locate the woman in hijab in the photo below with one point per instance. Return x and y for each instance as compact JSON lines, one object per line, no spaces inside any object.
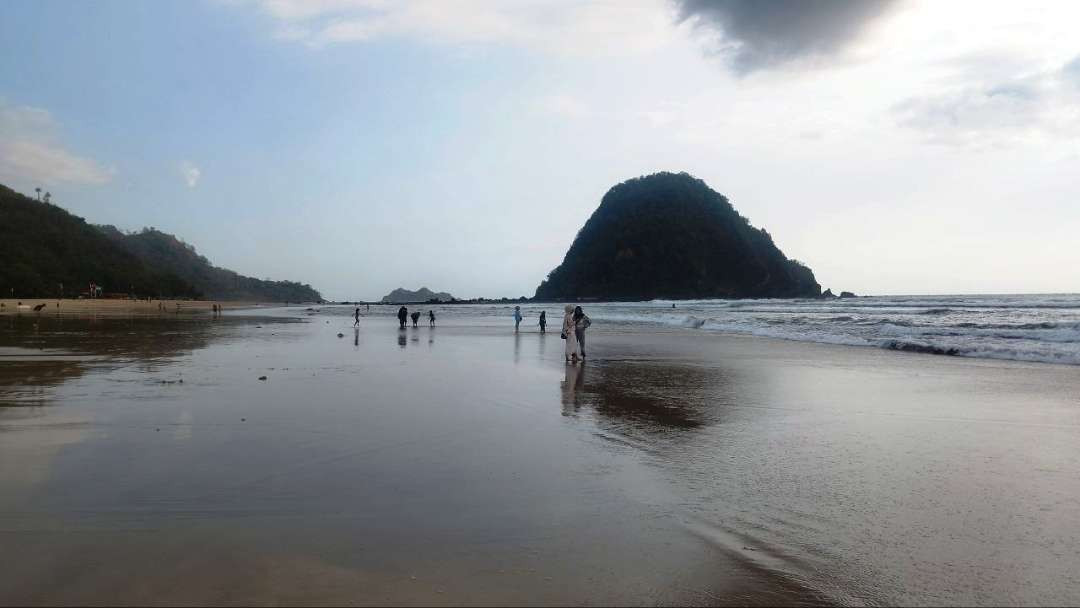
{"x":569,"y":335}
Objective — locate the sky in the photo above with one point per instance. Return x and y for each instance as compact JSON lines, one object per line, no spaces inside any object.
{"x":362,"y":145}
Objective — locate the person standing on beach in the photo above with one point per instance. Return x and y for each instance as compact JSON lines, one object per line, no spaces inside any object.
{"x":415,"y":318}
{"x":402,"y":315}
{"x":431,"y":318}
{"x":543,"y":321}
{"x":581,"y":323}
{"x":517,"y":318}
{"x":569,"y":335}
{"x":356,"y":315}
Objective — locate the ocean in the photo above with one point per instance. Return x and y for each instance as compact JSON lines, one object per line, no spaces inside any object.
{"x":1035,"y":328}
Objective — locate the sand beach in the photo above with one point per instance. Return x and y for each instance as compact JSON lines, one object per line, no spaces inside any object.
{"x":109,"y":306}
{"x":144,"y":461}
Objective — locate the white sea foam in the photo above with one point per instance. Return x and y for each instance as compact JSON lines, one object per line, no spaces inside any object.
{"x":1039,"y":328}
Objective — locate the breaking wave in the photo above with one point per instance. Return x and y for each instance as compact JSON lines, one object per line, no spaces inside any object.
{"x":1037,"y":328}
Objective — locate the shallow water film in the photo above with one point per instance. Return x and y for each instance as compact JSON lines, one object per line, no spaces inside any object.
{"x":291,"y":458}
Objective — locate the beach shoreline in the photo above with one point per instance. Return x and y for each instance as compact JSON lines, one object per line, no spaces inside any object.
{"x":109,"y":306}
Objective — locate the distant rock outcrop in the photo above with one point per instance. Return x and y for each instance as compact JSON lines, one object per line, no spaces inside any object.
{"x":404,"y":296}
{"x":847,"y":294}
{"x":669,"y":235}
{"x":828,"y":294}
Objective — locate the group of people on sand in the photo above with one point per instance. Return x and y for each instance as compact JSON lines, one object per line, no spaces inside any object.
{"x":403,"y":315}
{"x":575,"y":322}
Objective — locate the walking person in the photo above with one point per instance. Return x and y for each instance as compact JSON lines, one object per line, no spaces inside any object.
{"x":517,"y":318}
{"x":569,"y":335}
{"x":402,"y":315}
{"x":431,"y":318}
{"x":581,"y":323}
{"x":415,"y":318}
{"x":543,"y":321}
{"x":356,"y":316}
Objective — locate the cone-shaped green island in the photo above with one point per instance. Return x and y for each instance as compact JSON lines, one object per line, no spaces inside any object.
{"x":669,"y":235}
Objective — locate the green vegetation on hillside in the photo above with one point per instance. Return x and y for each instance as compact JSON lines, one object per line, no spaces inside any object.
{"x":43,"y":247}
{"x":669,"y":235}
{"x":161,"y":250}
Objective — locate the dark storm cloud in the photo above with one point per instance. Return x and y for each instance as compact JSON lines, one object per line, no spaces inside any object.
{"x":759,"y":34}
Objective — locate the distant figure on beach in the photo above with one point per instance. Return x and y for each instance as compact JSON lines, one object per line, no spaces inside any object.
{"x":517,"y":318}
{"x":673,"y":305}
{"x":356,"y":316}
{"x":569,"y":335}
{"x":415,"y":318}
{"x":581,"y":323}
{"x":402,"y":315}
{"x":431,"y":318}
{"x":543,"y":321}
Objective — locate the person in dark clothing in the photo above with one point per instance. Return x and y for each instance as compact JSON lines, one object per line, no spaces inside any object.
{"x":356,"y":316}
{"x":431,"y":318}
{"x":543,"y":321}
{"x":402,"y":315}
{"x":415,"y":318}
{"x":581,"y":323}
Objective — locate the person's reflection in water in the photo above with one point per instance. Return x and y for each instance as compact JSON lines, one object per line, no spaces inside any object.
{"x":401,"y":339}
{"x":571,"y":385}
{"x":517,"y":347}
{"x":356,"y":338}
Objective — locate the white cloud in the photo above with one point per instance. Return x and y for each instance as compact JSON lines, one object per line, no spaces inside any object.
{"x":566,"y":26}
{"x":191,"y":173}
{"x":31,"y":153}
{"x":1033,"y":105}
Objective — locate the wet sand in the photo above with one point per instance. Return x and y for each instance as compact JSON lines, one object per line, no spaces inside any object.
{"x":142,"y":461}
{"x":104,"y":306}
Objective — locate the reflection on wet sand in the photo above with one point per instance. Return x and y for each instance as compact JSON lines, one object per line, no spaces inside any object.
{"x":573,"y":380}
{"x":746,"y":471}
{"x":647,"y":397}
{"x":38,"y":354}
{"x":25,"y":381}
{"x":135,"y":337}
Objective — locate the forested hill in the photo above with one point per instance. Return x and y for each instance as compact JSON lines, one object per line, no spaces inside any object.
{"x":162,"y":250}
{"x":44,"y":249}
{"x":668,"y":235}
